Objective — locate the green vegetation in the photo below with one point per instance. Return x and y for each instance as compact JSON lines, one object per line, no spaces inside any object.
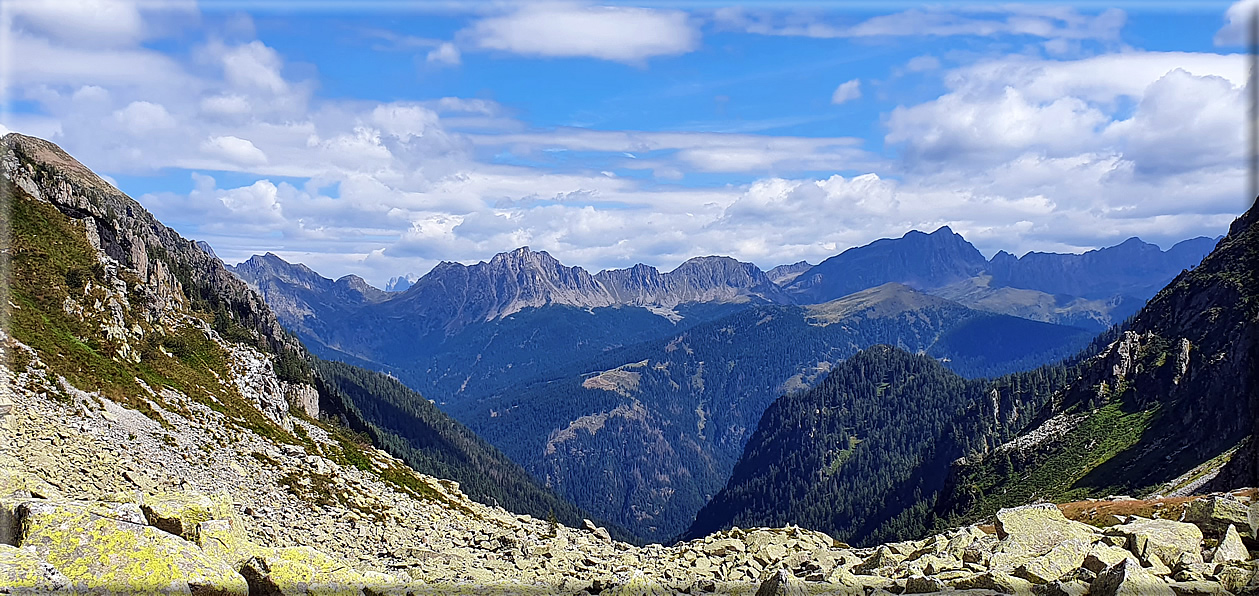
{"x":864,"y":454}
{"x":370,"y":406}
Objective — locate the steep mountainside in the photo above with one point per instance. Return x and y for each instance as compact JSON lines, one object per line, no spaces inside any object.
{"x":646,"y":434}
{"x":918,"y":260}
{"x":1179,"y":388}
{"x":862,"y":455}
{"x":1165,"y":404}
{"x":115,"y":302}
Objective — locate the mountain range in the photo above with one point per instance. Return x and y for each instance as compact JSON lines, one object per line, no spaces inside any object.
{"x":509,"y":347}
{"x":892,"y":444}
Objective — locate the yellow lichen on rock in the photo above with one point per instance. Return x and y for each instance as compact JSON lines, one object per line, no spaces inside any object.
{"x":100,"y":553}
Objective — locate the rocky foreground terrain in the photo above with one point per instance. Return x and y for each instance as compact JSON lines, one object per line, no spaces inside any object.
{"x":101,"y":497}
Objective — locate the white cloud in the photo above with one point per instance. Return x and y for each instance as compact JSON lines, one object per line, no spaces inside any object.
{"x":142,"y":117}
{"x":226,"y":105}
{"x":236,"y":150}
{"x":86,"y":22}
{"x":846,"y":91}
{"x":1237,"y":31}
{"x":254,"y":66}
{"x":445,"y":54}
{"x":619,"y":34}
{"x":1009,"y":19}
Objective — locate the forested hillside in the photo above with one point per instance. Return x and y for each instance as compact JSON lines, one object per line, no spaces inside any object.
{"x":862,"y":455}
{"x":646,"y":434}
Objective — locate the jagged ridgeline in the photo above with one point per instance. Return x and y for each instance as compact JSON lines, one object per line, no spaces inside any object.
{"x":1164,"y":404}
{"x":163,"y":312}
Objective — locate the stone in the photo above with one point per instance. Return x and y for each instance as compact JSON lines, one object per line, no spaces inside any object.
{"x":638,"y":585}
{"x":1062,"y":588}
{"x":1103,"y":556}
{"x":1034,"y":530}
{"x":1164,"y":539}
{"x":1054,"y":564}
{"x":723,"y":547}
{"x":295,"y":570}
{"x":1198,"y":588}
{"x":179,"y":513}
{"x":920,"y":584}
{"x":1236,"y":576}
{"x":781,"y":583}
{"x":118,"y":553}
{"x":1230,"y":548}
{"x":226,"y":540}
{"x":1215,"y":513}
{"x":23,"y":572}
{"x":995,"y":581}
{"x":1127,"y":578}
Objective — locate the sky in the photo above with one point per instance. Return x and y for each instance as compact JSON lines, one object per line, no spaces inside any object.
{"x":381,"y":137}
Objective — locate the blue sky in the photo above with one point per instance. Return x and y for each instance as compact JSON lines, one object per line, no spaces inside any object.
{"x":379,"y":138}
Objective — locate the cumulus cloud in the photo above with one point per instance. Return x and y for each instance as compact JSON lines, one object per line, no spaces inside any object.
{"x":619,"y":34}
{"x":87,"y":22}
{"x":142,"y":117}
{"x":846,"y":91}
{"x":1237,"y":31}
{"x":236,"y":150}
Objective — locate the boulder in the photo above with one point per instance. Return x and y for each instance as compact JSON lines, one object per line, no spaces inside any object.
{"x":226,"y":540}
{"x":1198,"y":588}
{"x":106,"y":547}
{"x":300,"y":570}
{"x":781,"y":583}
{"x":1062,"y":588}
{"x":1059,"y":561}
{"x":1217,"y":512}
{"x":1127,"y":578}
{"x":1230,"y":548}
{"x":1163,"y":539}
{"x":638,"y":585}
{"x":179,"y":513}
{"x":996,"y":581}
{"x":920,"y":584}
{"x":22,"y":572}
{"x":1034,"y":530}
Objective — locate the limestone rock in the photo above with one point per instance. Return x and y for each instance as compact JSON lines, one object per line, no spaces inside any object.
{"x":22,"y":572}
{"x":1164,"y":539}
{"x":119,"y":553}
{"x":1127,"y":578}
{"x":1034,"y":530}
{"x":1230,"y":548}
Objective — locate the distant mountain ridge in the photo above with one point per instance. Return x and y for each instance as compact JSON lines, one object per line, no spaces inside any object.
{"x":892,"y":444}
